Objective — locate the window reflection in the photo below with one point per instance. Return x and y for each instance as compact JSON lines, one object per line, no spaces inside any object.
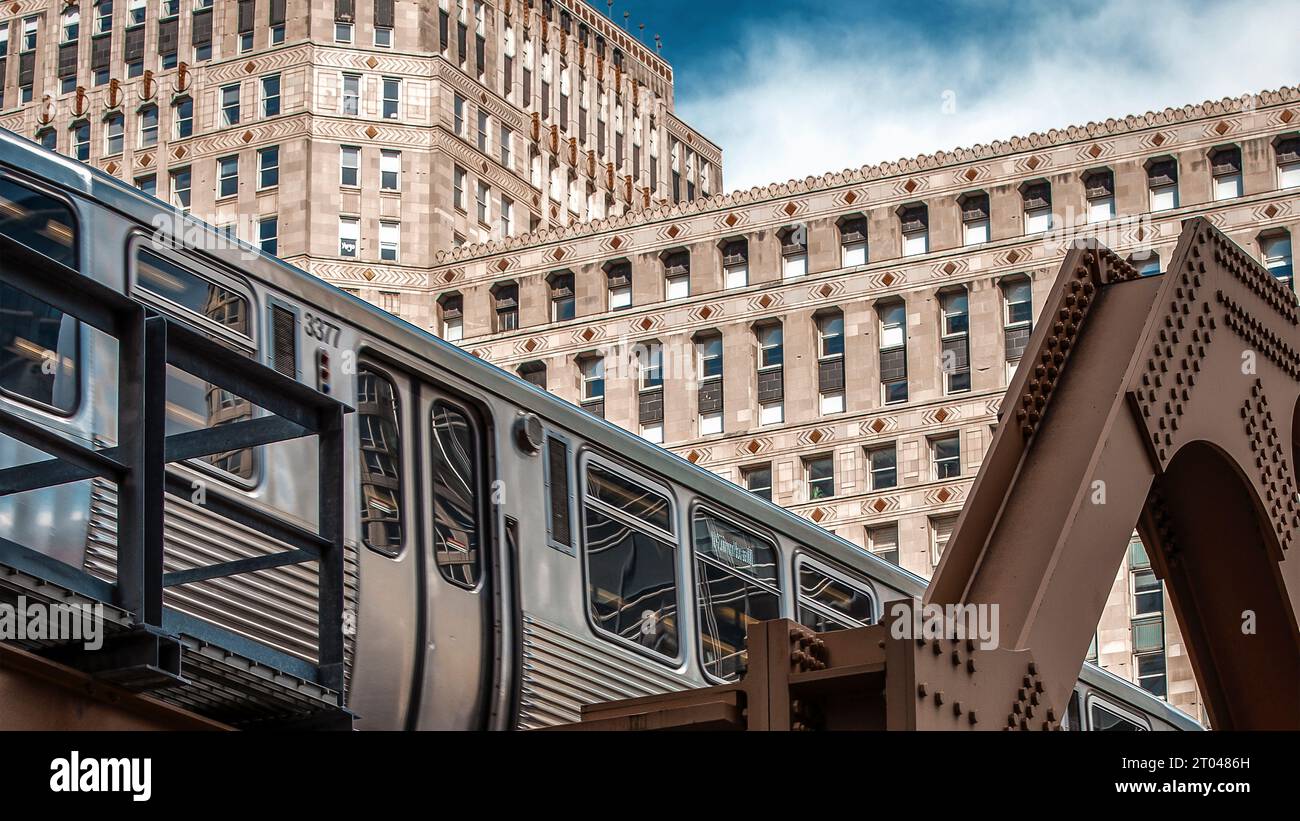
{"x":827,"y":603}
{"x":455,"y":496}
{"x":380,"y":464}
{"x":737,"y":584}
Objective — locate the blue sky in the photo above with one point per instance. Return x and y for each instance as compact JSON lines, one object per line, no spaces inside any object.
{"x":801,"y":87}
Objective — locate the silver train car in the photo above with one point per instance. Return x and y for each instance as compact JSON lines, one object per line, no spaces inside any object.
{"x":510,"y":558}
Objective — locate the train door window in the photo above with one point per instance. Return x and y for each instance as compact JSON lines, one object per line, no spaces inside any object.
{"x":193,"y":404}
{"x":1105,"y":716}
{"x":456,"y":497}
{"x":38,"y":342}
{"x":737,"y":583}
{"x":380,"y":465}
{"x":558,"y":521}
{"x":631,"y":561}
{"x":830,"y":601}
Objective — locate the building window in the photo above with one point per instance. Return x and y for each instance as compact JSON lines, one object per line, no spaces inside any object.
{"x":735,"y":263}
{"x":956,"y":341}
{"x":830,"y":361}
{"x":113,"y":130}
{"x":1225,"y":164}
{"x":505,"y":297}
{"x":390,"y":241}
{"x":592,"y":372}
{"x":1288,"y":161}
{"x":49,"y":139}
{"x":349,"y":236}
{"x":893,"y":352}
{"x":794,"y":251}
{"x":227,"y":176}
{"x":484,"y":129}
{"x":449,"y":308}
{"x":563,"y":301}
{"x":268,"y":231}
{"x":342,"y":32}
{"x":1162,"y":182}
{"x":708,"y":351}
{"x":71,"y":24}
{"x":351,"y":94}
{"x":945,"y":452}
{"x":853,"y":240}
{"x":104,"y":16}
{"x":882,"y":542}
{"x":533,"y":372}
{"x":941,"y":528}
{"x":458,"y":188}
{"x":271,"y":95}
{"x":148,"y":184}
{"x":184,"y":111}
{"x":506,"y":213}
{"x":148,"y":126}
{"x":277,"y":34}
{"x":29,"y":34}
{"x":1037,"y":199}
{"x":230,"y":104}
{"x":1146,"y":261}
{"x":180,"y":180}
{"x":883,"y":464}
{"x":914,"y":222}
{"x":268,"y":167}
{"x":819,"y":472}
{"x":390,"y":170}
{"x":482,"y":201}
{"x":505,"y":141}
{"x":383,"y":37}
{"x":392,"y":98}
{"x":650,"y":394}
{"x":677,"y":274}
{"x":758,"y":480}
{"x":1018,"y":316}
{"x":974,"y":218}
{"x":349,"y":166}
{"x":1099,"y":188}
{"x":1275,"y":248}
{"x":619,"y":281}
{"x":81,"y":141}
{"x":771,"y":374}
{"x":458,"y":116}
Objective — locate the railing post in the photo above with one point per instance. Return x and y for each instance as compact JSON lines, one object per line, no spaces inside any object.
{"x":154,"y":470}
{"x":130,"y":442}
{"x":330,"y":574}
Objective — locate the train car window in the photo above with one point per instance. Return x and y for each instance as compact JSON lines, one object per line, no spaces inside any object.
{"x":557,"y":492}
{"x":629,"y":497}
{"x":380,"y":473}
{"x":1072,"y":719}
{"x":193,"y":404}
{"x":736,"y":577}
{"x":1100,"y":718}
{"x":829,"y":603}
{"x":631,"y":562}
{"x":38,"y":342}
{"x":455,"y":495}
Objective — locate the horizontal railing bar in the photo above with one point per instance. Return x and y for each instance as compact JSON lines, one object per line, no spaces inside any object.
{"x":249,"y":516}
{"x":51,"y":570}
{"x":177,"y":623}
{"x":249,"y":433}
{"x":237,"y":566}
{"x":68,"y":290}
{"x":97,"y":462}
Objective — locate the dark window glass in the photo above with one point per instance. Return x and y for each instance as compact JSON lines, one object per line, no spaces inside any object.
{"x":884,"y":468}
{"x":827,"y":603}
{"x":631,"y":573}
{"x":1103,"y":719}
{"x":38,"y":343}
{"x":193,"y":292}
{"x":629,"y":497}
{"x":380,"y":469}
{"x":455,"y":496}
{"x":737,"y":585}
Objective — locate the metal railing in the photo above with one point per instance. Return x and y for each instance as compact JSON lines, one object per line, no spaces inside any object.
{"x":148,"y":343}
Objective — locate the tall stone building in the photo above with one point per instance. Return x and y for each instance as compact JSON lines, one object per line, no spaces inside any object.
{"x":357,"y":138}
{"x":841,"y":344}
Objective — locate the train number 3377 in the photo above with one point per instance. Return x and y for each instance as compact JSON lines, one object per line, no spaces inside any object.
{"x":322,"y":329}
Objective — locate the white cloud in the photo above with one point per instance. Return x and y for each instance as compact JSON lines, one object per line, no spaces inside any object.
{"x":803,"y":100}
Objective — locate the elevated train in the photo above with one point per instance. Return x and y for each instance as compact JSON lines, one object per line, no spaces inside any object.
{"x":510,"y":557}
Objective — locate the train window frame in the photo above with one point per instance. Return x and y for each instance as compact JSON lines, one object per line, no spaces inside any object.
{"x":583,"y":459}
{"x":785,"y":598}
{"x":1094,"y":700}
{"x":485,"y":525}
{"x":249,"y":345}
{"x":79,"y":337}
{"x":570,"y":458}
{"x":403,"y":519}
{"x":804,"y":557}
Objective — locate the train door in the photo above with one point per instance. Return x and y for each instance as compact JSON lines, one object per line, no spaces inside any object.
{"x":456,"y":546}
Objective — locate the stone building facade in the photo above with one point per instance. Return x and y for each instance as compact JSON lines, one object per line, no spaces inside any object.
{"x":357,"y":138}
{"x":842,"y":343}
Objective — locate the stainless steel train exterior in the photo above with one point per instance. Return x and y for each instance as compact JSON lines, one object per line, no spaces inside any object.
{"x":510,"y":557}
